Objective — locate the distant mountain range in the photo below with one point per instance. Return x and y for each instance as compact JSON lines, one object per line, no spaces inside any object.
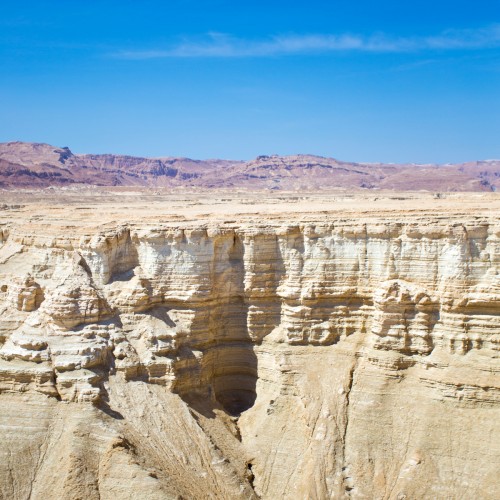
{"x":31,"y":165}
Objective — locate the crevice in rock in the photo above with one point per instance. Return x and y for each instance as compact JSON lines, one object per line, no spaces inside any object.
{"x":233,"y":376}
{"x":251,"y":477}
{"x":226,"y":373}
{"x":233,"y":361}
{"x":347,"y":481}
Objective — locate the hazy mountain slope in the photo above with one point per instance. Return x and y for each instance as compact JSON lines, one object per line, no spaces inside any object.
{"x":41,"y":165}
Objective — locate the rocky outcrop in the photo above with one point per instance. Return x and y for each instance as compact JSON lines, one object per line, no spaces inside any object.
{"x":331,"y":358}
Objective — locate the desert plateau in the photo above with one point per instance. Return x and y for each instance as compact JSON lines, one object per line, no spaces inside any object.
{"x":252,"y":345}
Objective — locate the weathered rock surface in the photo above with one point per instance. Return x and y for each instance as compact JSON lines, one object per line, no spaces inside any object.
{"x":316,"y":356}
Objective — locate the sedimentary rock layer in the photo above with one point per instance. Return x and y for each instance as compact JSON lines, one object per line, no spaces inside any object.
{"x":320,"y":356}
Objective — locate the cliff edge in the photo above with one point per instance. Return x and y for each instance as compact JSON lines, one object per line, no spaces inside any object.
{"x":331,"y":349}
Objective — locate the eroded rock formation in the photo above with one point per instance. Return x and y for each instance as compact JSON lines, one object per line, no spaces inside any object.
{"x":330,"y":358}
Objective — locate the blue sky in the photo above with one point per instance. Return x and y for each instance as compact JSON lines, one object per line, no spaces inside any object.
{"x":387,"y":81}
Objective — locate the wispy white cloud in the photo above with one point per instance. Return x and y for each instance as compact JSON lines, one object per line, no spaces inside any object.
{"x":225,"y":46}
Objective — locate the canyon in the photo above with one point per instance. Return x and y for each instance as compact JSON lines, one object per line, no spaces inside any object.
{"x":251,"y":345}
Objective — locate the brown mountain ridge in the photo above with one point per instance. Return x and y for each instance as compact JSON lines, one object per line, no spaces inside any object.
{"x":28,"y":165}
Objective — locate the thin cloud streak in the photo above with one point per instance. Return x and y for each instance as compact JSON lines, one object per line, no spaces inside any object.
{"x":219,"y":45}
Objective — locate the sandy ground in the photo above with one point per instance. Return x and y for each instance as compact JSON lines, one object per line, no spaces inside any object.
{"x":92,"y":207}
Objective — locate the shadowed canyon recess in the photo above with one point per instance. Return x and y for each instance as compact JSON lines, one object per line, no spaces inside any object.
{"x":249,"y":347}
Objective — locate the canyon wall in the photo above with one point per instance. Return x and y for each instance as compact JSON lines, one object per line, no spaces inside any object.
{"x":331,"y":358}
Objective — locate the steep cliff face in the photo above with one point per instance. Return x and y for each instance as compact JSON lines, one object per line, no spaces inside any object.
{"x":328,"y":358}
